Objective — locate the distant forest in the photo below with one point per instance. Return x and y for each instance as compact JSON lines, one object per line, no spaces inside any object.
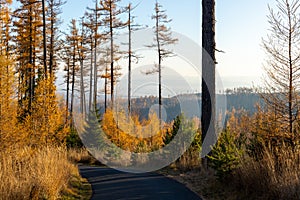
{"x":239,"y":99}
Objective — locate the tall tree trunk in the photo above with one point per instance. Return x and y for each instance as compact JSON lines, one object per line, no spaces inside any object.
{"x":291,"y":78}
{"x":91,"y":76}
{"x":159,"y":66}
{"x":51,"y":53}
{"x":30,"y":75}
{"x":208,"y":71}
{"x":44,"y":39}
{"x":95,"y":58}
{"x":68,"y":89}
{"x":105,"y":89}
{"x":111,"y":55}
{"x":129,"y":59}
{"x":73,"y":83}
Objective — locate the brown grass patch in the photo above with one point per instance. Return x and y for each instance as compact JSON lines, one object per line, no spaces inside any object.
{"x":35,"y":173}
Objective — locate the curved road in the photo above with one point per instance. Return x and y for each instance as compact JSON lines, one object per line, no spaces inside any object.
{"x":111,"y":184}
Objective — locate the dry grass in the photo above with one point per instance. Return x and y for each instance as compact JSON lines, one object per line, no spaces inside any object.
{"x":188,"y":161}
{"x":275,"y":176}
{"x":82,"y":156}
{"x":35,"y":173}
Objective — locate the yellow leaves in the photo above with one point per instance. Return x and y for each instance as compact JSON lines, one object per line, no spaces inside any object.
{"x":46,"y":122}
{"x":131,"y":134}
{"x":8,"y":108}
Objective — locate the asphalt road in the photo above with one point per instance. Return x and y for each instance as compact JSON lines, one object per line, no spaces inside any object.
{"x":111,"y":184}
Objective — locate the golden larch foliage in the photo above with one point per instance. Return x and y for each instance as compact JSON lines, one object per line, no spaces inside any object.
{"x":46,"y":122}
{"x":131,"y":134}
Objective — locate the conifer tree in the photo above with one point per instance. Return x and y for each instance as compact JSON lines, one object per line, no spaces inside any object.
{"x":73,"y":40}
{"x":53,"y":43}
{"x":131,"y":54}
{"x":283,"y":66}
{"x":94,"y":23}
{"x":28,"y":41}
{"x":112,"y":21}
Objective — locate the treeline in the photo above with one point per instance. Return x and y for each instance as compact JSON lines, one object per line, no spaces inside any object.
{"x":246,"y":100}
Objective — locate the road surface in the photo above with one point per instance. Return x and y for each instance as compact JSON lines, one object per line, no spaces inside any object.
{"x":111,"y":184}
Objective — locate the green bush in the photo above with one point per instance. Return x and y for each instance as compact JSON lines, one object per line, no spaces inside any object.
{"x":226,"y":154}
{"x":73,"y":140}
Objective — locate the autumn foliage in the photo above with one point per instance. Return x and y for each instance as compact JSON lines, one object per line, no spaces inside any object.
{"x":131,"y":134}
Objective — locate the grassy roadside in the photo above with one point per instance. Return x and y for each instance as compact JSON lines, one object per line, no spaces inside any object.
{"x":40,"y":173}
{"x":203,"y":182}
{"x":78,"y":188}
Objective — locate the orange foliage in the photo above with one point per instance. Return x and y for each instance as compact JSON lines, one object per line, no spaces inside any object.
{"x":131,"y":134}
{"x":45,"y":125}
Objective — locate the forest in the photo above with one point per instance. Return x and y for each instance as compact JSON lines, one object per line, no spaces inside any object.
{"x":44,"y":134}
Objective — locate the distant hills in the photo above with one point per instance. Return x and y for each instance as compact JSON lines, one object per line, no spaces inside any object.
{"x":190,"y":104}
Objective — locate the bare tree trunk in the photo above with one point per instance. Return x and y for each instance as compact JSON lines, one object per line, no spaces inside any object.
{"x":105,"y":89}
{"x":129,"y":59}
{"x":111,"y":55}
{"x":68,"y":89}
{"x":73,"y":83}
{"x":159,"y":66}
{"x":44,"y":39}
{"x":208,"y":70}
{"x":91,"y":77}
{"x":51,"y":53}
{"x":95,"y":59}
{"x":81,"y":58}
{"x":31,"y":71}
{"x":290,"y":70}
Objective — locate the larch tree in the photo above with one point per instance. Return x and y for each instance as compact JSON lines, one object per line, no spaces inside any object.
{"x":53,"y":43}
{"x":162,"y":40}
{"x":45,"y":124}
{"x":8,"y":106}
{"x":105,"y":61}
{"x":131,"y":55}
{"x":93,"y":23}
{"x":112,"y":21}
{"x":82,"y":51}
{"x":72,"y":41}
{"x":28,"y":40}
{"x":283,"y":66}
{"x":65,"y":55}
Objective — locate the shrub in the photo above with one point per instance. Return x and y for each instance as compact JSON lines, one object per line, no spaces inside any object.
{"x":225,"y":155}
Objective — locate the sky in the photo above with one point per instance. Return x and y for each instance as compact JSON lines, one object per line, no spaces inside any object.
{"x":240,"y":27}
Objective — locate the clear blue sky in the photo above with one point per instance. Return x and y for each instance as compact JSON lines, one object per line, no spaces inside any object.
{"x":239,"y":31}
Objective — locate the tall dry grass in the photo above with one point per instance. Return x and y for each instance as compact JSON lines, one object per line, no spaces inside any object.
{"x":34,"y":173}
{"x":275,"y":176}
